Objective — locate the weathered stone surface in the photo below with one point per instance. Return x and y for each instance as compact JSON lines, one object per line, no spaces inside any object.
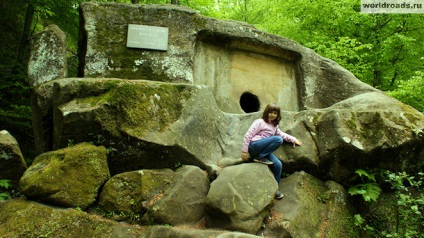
{"x":12,"y":163}
{"x":21,"y":218}
{"x":356,"y":133}
{"x":240,"y":197}
{"x":231,"y":57}
{"x":130,"y":192}
{"x":183,"y":201}
{"x":48,"y":56}
{"x":171,"y":232}
{"x":70,"y":177}
{"x":311,"y":209}
{"x":161,"y":125}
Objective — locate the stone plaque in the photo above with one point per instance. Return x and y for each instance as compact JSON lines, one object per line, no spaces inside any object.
{"x":147,"y":37}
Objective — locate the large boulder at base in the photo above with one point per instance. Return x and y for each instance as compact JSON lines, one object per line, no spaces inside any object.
{"x":183,"y":201}
{"x":311,"y":208}
{"x":12,"y":163}
{"x":240,"y":198}
{"x":21,"y":218}
{"x":69,"y":177}
{"x":129,"y":193}
{"x":173,"y":232}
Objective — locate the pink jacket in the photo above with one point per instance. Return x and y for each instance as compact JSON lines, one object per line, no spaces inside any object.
{"x":261,"y":129}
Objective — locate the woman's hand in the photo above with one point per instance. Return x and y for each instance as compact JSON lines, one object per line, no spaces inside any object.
{"x":297,"y":142}
{"x":244,"y":156}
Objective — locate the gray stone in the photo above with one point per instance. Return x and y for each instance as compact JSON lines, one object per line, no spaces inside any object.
{"x":183,"y":201}
{"x":48,"y":56}
{"x":129,"y":193}
{"x":12,"y":163}
{"x":240,"y":197}
{"x":311,"y":208}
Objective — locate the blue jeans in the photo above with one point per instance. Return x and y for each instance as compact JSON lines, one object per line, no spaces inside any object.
{"x":263,"y":148}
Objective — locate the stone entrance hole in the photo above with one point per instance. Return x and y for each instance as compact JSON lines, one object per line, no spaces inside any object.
{"x":249,"y":102}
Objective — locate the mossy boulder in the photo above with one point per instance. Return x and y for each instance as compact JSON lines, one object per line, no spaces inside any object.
{"x":240,"y":197}
{"x":311,"y":209}
{"x":129,"y":193}
{"x":358,"y":132}
{"x":183,"y":202}
{"x":143,"y":124}
{"x":22,"y":218}
{"x":70,"y":177}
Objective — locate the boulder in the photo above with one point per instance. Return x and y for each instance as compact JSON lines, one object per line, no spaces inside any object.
{"x":171,"y":232}
{"x":22,"y":218}
{"x":311,"y":208}
{"x":12,"y":163}
{"x":48,"y":56}
{"x":70,"y":177}
{"x":358,"y":132}
{"x":129,"y":193}
{"x":183,"y":201}
{"x":161,"y":125}
{"x":240,"y":198}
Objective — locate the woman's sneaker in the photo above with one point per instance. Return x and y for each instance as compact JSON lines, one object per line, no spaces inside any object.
{"x":263,"y":161}
{"x":279,"y":195}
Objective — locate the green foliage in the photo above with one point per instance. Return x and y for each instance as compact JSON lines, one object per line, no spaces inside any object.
{"x":411,"y":91}
{"x":5,"y":184}
{"x":368,"y":189}
{"x":409,"y":191}
{"x":407,"y":220}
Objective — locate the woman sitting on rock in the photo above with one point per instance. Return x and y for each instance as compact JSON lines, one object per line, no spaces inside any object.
{"x":263,"y":138}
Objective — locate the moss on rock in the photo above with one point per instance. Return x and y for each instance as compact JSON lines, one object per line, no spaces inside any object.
{"x":69,"y":177}
{"x":21,"y":218}
{"x":138,"y":107}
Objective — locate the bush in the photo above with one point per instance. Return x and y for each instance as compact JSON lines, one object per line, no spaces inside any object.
{"x":403,"y":215}
{"x":411,"y":92}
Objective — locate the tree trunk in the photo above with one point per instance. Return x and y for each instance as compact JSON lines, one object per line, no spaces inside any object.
{"x":176,"y":2}
{"x":135,"y":1}
{"x":23,"y":49}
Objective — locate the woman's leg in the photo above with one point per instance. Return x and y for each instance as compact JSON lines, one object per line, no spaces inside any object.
{"x":276,"y":168}
{"x":264,"y":147}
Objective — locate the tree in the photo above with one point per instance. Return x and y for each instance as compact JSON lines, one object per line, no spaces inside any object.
{"x":380,"y":49}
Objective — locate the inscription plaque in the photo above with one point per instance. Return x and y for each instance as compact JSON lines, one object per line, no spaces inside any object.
{"x":147,"y":37}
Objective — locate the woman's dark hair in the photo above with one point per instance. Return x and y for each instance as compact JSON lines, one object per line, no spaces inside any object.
{"x":272,"y":108}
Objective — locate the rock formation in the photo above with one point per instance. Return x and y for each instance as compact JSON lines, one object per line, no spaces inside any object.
{"x":188,"y":107}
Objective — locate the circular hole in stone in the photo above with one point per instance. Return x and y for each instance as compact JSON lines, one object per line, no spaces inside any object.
{"x":249,"y":102}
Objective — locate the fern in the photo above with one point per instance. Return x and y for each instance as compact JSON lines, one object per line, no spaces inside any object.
{"x":368,"y":189}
